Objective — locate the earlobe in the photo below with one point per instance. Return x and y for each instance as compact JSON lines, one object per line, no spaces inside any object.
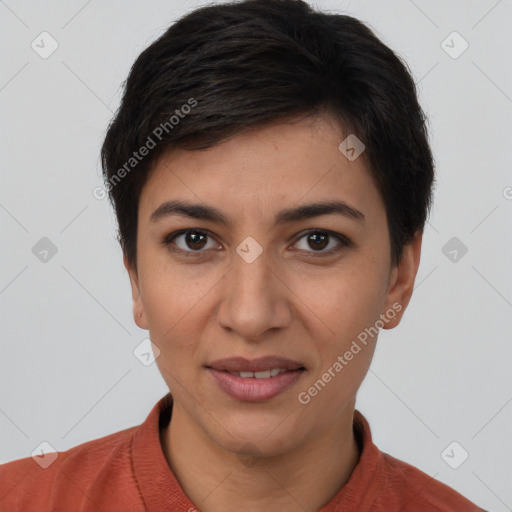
{"x":138,"y":307}
{"x":401,"y":282}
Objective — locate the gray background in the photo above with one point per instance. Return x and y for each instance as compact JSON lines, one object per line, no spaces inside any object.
{"x":67,"y":371}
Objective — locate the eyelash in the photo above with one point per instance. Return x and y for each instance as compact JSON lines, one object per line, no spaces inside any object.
{"x":344,"y":242}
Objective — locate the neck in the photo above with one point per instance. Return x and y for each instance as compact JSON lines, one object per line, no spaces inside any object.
{"x":303,"y":479}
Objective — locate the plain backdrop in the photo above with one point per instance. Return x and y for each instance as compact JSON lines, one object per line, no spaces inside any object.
{"x":68,"y":373}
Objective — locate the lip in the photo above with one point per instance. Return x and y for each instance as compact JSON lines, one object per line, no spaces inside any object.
{"x":240,"y":364}
{"x":253,"y":389}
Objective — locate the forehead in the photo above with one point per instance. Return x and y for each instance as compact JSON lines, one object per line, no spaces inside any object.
{"x":263,"y":170}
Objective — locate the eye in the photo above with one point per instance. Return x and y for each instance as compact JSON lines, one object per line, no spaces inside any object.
{"x":189,"y":240}
{"x":320,"y":239}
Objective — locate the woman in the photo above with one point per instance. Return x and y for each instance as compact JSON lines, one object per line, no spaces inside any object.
{"x":271,"y":175}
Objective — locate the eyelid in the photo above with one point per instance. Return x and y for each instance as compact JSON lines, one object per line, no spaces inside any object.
{"x":342,"y":239}
{"x":168,"y":240}
{"x":343,"y":242}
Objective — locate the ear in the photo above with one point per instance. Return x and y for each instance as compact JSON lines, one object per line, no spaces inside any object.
{"x":401,"y":281}
{"x":139,"y":314}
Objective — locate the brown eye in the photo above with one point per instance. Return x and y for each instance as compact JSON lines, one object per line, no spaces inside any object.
{"x":190,"y":241}
{"x":195,"y":240}
{"x":317,"y":241}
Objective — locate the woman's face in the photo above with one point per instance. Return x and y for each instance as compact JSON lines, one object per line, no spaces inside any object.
{"x":268,"y":289}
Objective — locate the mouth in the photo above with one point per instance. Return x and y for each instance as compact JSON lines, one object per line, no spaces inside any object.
{"x":265,"y":374}
{"x":256,"y":366}
{"x":256,"y":380}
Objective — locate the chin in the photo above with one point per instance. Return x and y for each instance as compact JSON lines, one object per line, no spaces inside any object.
{"x":257,"y":436}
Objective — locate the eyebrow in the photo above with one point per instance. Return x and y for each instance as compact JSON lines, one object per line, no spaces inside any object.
{"x":210,"y":213}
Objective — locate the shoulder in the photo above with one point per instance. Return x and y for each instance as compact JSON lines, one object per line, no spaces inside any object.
{"x":414,"y":490}
{"x":383,"y":483}
{"x":74,"y":475}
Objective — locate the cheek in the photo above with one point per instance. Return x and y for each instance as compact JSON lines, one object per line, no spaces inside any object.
{"x":172,"y":301}
{"x":344,"y":343}
{"x":342,"y":302}
{"x":348,"y":305}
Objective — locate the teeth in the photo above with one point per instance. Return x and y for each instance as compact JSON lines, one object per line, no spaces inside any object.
{"x":262,"y":375}
{"x":266,"y":374}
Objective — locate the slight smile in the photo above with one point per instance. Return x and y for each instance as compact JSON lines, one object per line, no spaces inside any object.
{"x":255,"y":380}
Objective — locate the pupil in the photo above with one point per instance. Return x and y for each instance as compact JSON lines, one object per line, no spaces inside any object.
{"x":192,"y":239}
{"x":315,"y":237}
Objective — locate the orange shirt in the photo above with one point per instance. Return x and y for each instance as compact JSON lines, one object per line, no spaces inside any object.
{"x":127,"y":472}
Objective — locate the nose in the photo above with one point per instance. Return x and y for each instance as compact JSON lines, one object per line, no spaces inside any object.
{"x":255,"y":298}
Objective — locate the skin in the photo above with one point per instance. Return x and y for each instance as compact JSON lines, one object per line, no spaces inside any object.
{"x":295,"y":300}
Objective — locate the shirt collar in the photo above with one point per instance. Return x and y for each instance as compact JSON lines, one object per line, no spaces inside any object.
{"x":160,"y":489}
